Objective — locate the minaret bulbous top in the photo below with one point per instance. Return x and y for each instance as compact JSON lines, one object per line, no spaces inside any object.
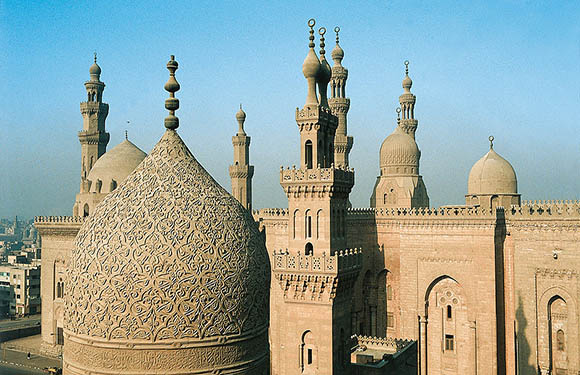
{"x":337,"y":53}
{"x":241,"y":118}
{"x":311,"y":64}
{"x":95,"y":70}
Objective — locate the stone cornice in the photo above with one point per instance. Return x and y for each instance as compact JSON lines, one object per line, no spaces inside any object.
{"x":58,"y":225}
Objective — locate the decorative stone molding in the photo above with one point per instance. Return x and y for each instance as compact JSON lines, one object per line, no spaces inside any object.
{"x":316,"y":278}
{"x":556,"y":273}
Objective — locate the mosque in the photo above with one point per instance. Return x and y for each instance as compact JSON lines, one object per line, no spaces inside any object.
{"x":161,"y":271}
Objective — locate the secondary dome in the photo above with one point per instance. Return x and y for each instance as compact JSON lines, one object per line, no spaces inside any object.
{"x":169,"y":275}
{"x":114,"y":166}
{"x":492,"y":174}
{"x":399,"y":149}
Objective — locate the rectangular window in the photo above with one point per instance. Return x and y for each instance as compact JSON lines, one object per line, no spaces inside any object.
{"x":59,"y":336}
{"x":390,"y":320}
{"x":18,"y":296}
{"x":449,"y":342}
{"x":309,"y":356}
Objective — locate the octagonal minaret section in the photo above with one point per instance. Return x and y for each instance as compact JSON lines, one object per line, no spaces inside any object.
{"x":93,"y":137}
{"x":340,"y":104}
{"x":241,"y":172}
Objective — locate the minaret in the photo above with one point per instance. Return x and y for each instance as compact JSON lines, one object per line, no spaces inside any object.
{"x":340,"y":104}
{"x":399,"y":184}
{"x":315,"y":271}
{"x":241,"y":172}
{"x":93,"y":137}
{"x":407,"y":101}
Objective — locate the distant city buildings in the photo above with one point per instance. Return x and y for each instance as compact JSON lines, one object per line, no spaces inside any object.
{"x":19,"y":268}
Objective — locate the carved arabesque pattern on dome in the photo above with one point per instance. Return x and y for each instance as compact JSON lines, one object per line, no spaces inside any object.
{"x":168,"y":255}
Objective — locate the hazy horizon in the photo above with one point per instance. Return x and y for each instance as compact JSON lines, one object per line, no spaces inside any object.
{"x":507,"y":69}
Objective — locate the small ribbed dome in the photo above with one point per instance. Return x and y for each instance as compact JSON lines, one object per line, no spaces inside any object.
{"x":492,"y":174}
{"x":170,"y":274}
{"x":407,"y":83}
{"x":115,"y":165}
{"x":337,"y":54}
{"x":399,"y":149}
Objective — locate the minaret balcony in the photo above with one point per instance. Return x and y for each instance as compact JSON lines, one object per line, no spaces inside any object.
{"x":318,"y":279}
{"x":241,"y":171}
{"x":314,"y":116}
{"x":90,"y":108}
{"x":93,"y":137}
{"x":339,"y":176}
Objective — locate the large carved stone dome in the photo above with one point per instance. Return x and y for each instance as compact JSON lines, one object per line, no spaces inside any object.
{"x":492,"y":174}
{"x":170,"y":275}
{"x":114,"y":166}
{"x":399,"y":150}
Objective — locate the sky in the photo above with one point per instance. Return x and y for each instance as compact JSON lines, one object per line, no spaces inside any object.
{"x":510,"y":69}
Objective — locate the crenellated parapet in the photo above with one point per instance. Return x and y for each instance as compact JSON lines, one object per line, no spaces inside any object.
{"x":271,"y":212}
{"x":446,"y":212}
{"x":546,"y":209}
{"x":58,"y":225}
{"x":318,"y":279}
{"x":387,"y":344}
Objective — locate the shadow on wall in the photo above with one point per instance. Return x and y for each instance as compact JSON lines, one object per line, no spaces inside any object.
{"x":369,"y":312}
{"x":523,"y":349}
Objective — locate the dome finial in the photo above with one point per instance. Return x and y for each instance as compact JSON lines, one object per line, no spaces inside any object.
{"x":337,"y":30}
{"x":491,"y":138}
{"x":172,"y":103}
{"x":406,"y":67}
{"x":398,"y":115}
{"x":95,"y":57}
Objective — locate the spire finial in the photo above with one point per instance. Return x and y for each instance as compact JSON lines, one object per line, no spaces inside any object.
{"x":95,"y":57}
{"x":322,"y":31}
{"x":398,"y":114}
{"x":172,"y":103}
{"x":491,"y":138}
{"x":407,"y":82}
{"x":311,"y":23}
{"x":337,"y":30}
{"x":126,"y":132}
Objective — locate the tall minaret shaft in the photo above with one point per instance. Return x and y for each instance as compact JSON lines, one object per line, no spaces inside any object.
{"x":93,"y":137}
{"x":241,"y":172}
{"x":340,"y":104}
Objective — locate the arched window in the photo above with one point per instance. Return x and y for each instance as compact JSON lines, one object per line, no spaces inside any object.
{"x":385,"y":199}
{"x":308,"y":249}
{"x":318,"y":223}
{"x":308,"y":353}
{"x":308,"y":224}
{"x":86,"y":210}
{"x":295,"y":222}
{"x":449,"y":313}
{"x":308,"y":154}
